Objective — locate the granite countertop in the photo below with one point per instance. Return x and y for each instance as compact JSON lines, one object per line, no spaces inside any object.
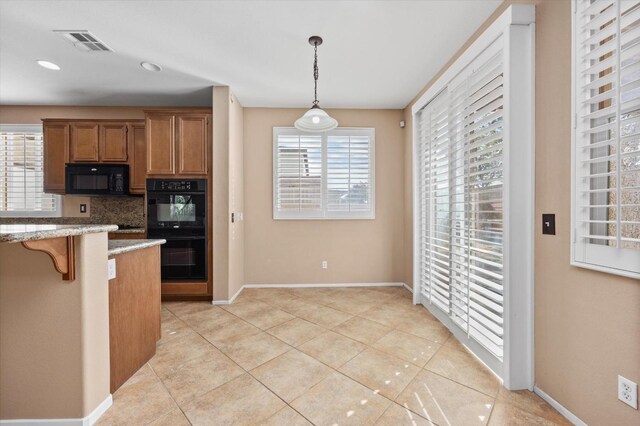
{"x":21,"y":232}
{"x":124,"y":246}
{"x":128,"y":231}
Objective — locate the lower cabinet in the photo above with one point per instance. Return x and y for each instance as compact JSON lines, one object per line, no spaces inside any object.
{"x":134,"y":312}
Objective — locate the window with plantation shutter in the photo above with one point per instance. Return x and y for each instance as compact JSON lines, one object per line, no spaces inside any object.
{"x":323,"y":176}
{"x":21,"y":174}
{"x":461,"y":179}
{"x":606,"y":142}
{"x":473,"y":206}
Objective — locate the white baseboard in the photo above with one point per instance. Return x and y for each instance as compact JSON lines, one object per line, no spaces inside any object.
{"x":405,"y":285}
{"x":91,"y":419}
{"x":230,"y":301}
{"x":323,"y":285}
{"x":555,"y":404}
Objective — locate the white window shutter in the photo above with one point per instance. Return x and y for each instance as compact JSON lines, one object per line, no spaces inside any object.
{"x":348,"y":173}
{"x":461,"y":201}
{"x":21,"y":174}
{"x":299,"y":173}
{"x":606,"y":205}
{"x":324,"y":176}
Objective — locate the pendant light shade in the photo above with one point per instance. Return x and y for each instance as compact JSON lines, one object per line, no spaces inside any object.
{"x":316,"y":119}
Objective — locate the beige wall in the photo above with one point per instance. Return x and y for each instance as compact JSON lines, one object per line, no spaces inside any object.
{"x":291,"y":251}
{"x":236,"y":195}
{"x":220,"y":188}
{"x":587,"y":324}
{"x":54,"y":334}
{"x":228,"y":194}
{"x":27,"y":114}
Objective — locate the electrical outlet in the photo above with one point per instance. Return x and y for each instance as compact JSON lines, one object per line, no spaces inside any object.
{"x":83,"y":208}
{"x":628,"y":392}
{"x":325,"y":264}
{"x":111,"y":269}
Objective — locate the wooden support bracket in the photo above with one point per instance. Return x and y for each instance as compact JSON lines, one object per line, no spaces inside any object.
{"x":61,"y":250}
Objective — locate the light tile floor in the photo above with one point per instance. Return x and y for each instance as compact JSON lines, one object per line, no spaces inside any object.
{"x":343,"y":356}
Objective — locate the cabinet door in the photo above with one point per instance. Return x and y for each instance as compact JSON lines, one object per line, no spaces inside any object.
{"x":138,"y":158}
{"x":56,"y":154}
{"x":161,"y":144}
{"x":192,"y":144}
{"x":84,"y":142}
{"x":113,"y":142}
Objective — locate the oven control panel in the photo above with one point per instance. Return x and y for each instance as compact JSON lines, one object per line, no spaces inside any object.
{"x":166,"y":185}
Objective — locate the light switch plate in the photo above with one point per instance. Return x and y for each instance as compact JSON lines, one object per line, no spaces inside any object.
{"x":111,"y":269}
{"x":549,"y":224}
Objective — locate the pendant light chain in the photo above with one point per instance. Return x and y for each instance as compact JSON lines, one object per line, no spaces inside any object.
{"x":315,"y":119}
{"x":315,"y":74}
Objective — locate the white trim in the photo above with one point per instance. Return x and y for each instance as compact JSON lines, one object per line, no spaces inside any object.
{"x":89,"y":420}
{"x":325,"y":285}
{"x":322,"y":285}
{"x":405,"y":285}
{"x":555,"y":404}
{"x":229,"y":301}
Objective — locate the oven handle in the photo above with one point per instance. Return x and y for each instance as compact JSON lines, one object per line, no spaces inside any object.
{"x":176,"y":238}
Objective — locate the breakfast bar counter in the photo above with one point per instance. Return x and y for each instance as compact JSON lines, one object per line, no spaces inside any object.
{"x":54,"y":322}
{"x":79,"y":314}
{"x":20,"y":232}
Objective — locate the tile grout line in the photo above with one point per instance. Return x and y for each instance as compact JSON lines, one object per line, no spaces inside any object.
{"x":170,"y":396}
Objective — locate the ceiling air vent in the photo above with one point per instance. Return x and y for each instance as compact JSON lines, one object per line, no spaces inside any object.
{"x":84,"y":40}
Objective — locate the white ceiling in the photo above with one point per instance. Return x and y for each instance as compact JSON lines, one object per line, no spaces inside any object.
{"x":376,"y":54}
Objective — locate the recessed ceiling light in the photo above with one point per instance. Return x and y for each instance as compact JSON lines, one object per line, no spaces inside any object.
{"x":149,"y":66}
{"x":48,"y":65}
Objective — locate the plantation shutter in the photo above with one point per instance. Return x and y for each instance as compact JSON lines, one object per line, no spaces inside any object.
{"x":460,"y":166}
{"x":21,"y":173}
{"x":329,"y":175}
{"x":298,"y":173}
{"x":607,"y":134}
{"x":484,"y":129}
{"x":434,"y":201}
{"x":348,"y":172}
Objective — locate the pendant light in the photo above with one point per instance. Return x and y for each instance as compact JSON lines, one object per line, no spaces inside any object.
{"x":316,"y":119}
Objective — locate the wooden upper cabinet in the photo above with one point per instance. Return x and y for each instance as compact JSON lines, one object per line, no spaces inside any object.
{"x":192,"y":137}
{"x":137,"y":158}
{"x":161,"y":144}
{"x":56,"y":155}
{"x":84,"y":142}
{"x":113,"y":143}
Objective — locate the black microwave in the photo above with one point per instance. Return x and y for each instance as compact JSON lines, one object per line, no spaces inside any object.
{"x":96,"y":179}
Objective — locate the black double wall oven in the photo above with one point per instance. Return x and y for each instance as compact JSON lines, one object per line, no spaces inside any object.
{"x":177,"y":212}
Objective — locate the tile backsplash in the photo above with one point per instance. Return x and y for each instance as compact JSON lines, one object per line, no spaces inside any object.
{"x":102,"y":210}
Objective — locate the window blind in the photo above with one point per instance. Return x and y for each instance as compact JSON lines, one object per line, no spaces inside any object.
{"x":21,"y":174}
{"x":607,"y":134}
{"x":299,"y":173}
{"x":348,"y":173}
{"x":324,"y":176}
{"x":460,"y":166}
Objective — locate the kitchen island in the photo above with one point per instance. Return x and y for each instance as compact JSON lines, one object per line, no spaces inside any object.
{"x":55,"y":311}
{"x":134,"y":306}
